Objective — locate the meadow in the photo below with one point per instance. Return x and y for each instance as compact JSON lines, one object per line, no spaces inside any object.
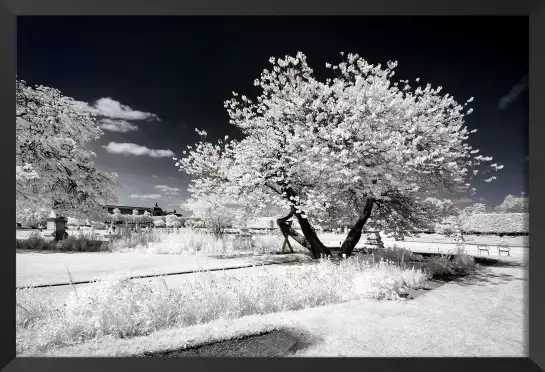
{"x":116,"y":306}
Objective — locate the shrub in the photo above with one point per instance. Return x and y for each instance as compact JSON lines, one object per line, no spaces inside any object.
{"x":159,"y":222}
{"x":453,"y":265}
{"x":395,"y":254}
{"x":173,"y":221}
{"x":120,"y":307}
{"x":81,"y":243}
{"x":73,"y":243}
{"x":35,"y":241}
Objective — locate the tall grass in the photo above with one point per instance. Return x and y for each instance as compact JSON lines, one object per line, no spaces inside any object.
{"x":120,"y":307}
{"x":450,"y":266}
{"x":187,"y":241}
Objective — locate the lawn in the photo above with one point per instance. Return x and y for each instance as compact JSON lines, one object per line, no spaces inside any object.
{"x":265,"y":290}
{"x":120,"y":307}
{"x":489,"y":320}
{"x":49,"y":268}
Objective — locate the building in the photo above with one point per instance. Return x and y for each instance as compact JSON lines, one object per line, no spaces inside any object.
{"x":174,"y":213}
{"x":126,"y":209}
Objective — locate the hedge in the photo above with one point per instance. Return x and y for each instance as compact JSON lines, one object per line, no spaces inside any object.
{"x":497,"y":223}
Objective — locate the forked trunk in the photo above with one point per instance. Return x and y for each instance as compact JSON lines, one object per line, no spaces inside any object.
{"x":317,"y":248}
{"x":287,"y":230}
{"x":310,"y":239}
{"x":354,"y":234}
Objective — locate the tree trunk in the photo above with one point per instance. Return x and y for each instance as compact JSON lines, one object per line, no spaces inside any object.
{"x":316,"y":246}
{"x":287,"y":230}
{"x":354,"y":234}
{"x":310,"y":239}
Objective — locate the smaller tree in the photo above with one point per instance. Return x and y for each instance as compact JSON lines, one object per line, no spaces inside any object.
{"x":453,"y":223}
{"x":216,"y":216}
{"x":514,"y":204}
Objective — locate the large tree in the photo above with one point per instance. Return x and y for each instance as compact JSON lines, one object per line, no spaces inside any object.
{"x":358,"y":147}
{"x":54,"y":169}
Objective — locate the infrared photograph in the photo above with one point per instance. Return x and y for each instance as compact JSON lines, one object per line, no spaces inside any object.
{"x":197,"y":186}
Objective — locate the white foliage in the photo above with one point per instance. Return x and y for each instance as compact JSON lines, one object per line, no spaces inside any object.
{"x":53,"y":166}
{"x":324,"y":147}
{"x":173,"y":221}
{"x":159,"y":221}
{"x":514,"y":204}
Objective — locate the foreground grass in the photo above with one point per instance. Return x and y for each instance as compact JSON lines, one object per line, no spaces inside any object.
{"x":121,"y":308}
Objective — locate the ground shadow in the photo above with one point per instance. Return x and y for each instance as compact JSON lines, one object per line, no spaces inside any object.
{"x":46,"y":251}
{"x":483,"y":277}
{"x":278,"y":343}
{"x":285,"y":259}
{"x":496,"y":262}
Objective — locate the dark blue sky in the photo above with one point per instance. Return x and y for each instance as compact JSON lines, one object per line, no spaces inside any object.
{"x":183,"y":68}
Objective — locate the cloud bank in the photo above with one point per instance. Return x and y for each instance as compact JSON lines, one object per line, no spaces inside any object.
{"x":136,"y":150}
{"x":148,"y":196}
{"x":121,"y":126}
{"x":168,"y":190}
{"x":110,"y":108}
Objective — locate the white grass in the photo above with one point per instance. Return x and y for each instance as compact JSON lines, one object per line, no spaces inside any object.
{"x":191,"y":242}
{"x":118,"y":307}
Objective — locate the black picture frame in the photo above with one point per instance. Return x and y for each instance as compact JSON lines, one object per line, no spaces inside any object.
{"x":534,"y":9}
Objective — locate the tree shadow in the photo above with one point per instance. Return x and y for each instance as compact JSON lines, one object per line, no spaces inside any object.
{"x":487,"y":278}
{"x":289,"y":259}
{"x":495,"y":262}
{"x":278,"y":343}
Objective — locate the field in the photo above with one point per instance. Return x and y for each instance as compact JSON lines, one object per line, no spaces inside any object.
{"x":168,"y":267}
{"x":488,"y":320}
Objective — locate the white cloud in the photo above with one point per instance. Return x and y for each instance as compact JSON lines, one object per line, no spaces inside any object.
{"x":121,"y":126}
{"x":110,"y":108}
{"x":168,"y":190}
{"x":154,"y":176}
{"x":510,"y":97}
{"x":482,"y":199}
{"x":137,"y":150}
{"x":148,"y":196}
{"x":464,"y":200}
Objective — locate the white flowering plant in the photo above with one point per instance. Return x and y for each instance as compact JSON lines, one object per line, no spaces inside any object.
{"x":357,"y":148}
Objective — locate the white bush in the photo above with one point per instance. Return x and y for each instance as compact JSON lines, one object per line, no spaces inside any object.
{"x":159,"y":222}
